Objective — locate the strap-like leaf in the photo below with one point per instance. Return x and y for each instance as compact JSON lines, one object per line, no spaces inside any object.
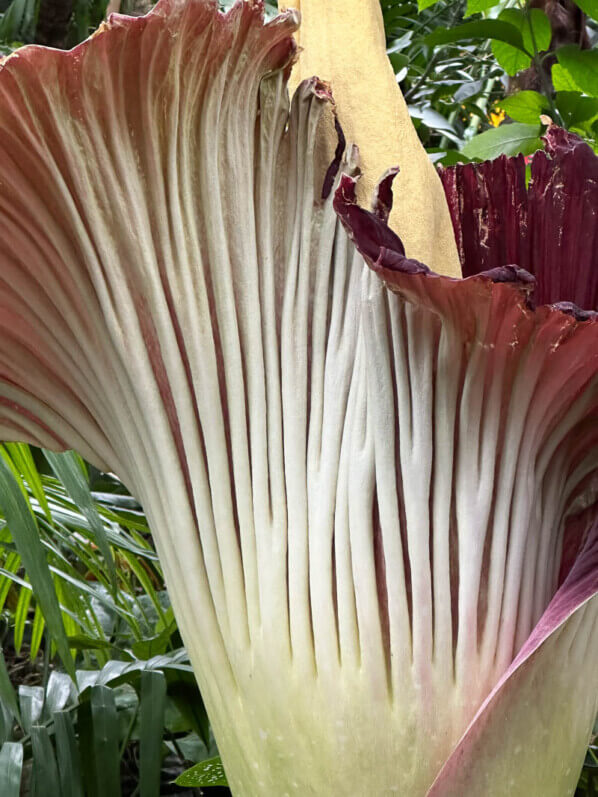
{"x":25,"y":534}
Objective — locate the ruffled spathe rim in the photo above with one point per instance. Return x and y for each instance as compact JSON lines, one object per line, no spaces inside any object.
{"x":546,"y":224}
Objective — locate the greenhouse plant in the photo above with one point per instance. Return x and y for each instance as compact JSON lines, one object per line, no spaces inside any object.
{"x":363,"y":426}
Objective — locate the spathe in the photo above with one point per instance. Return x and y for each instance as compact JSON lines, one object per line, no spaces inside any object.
{"x":536,"y":371}
{"x":358,"y":495}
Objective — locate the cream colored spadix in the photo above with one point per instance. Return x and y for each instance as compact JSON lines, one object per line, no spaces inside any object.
{"x":343,"y":43}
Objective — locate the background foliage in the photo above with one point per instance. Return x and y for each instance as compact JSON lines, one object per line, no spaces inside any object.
{"x":97,"y":696}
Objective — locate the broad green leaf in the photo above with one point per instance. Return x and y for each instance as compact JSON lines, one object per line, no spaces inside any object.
{"x":68,"y":470}
{"x":105,"y":741}
{"x":478,"y":6}
{"x":575,"y":108}
{"x":499,"y":30}
{"x":206,"y":773}
{"x":11,"y":765}
{"x":26,"y":537}
{"x":45,"y":771}
{"x":512,"y":59}
{"x":151,"y":720}
{"x":589,"y":7}
{"x":452,"y":157}
{"x":537,"y":32}
{"x":423,"y":4}
{"x":582,"y":65}
{"x":525,"y":106}
{"x":562,"y":80}
{"x":67,"y":754}
{"x":509,"y":139}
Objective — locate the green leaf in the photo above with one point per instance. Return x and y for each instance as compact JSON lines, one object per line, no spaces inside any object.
{"x":11,"y":565}
{"x":45,"y":771}
{"x":31,"y":701}
{"x":84,"y":642}
{"x":399,"y":61}
{"x":582,"y":66}
{"x":105,"y":741}
{"x":19,"y":20}
{"x":478,"y":6}
{"x":155,"y":645}
{"x":26,"y":538}
{"x":537,"y":33}
{"x":20,"y":618}
{"x":67,"y":754}
{"x":589,"y":7}
{"x":562,"y":80}
{"x":423,"y":4}
{"x":86,"y":749}
{"x":82,"y":586}
{"x":575,"y":108}
{"x":58,"y":691}
{"x":87,"y":15}
{"x":499,"y":30}
{"x":452,"y":157}
{"x":68,"y":470}
{"x":21,"y":455}
{"x":151,"y":720}
{"x":512,"y":59}
{"x":15,"y":472}
{"x":206,"y":773}
{"x":11,"y":765}
{"x":509,"y":139}
{"x":7,"y":692}
{"x":140,"y":572}
{"x":525,"y":106}
{"x":187,"y":699}
{"x":120,"y":672}
{"x":74,"y":605}
{"x":7,"y":723}
{"x":37,"y":632}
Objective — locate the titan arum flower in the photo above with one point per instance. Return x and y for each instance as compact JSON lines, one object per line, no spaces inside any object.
{"x":373,"y":489}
